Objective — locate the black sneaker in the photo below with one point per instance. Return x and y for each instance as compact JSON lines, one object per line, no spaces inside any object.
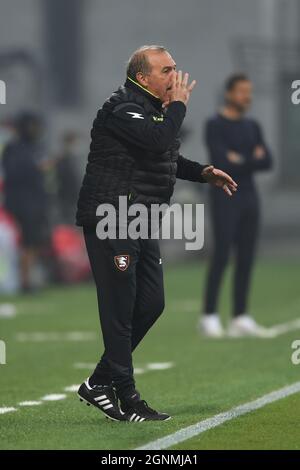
{"x":137,"y":410}
{"x":102,"y":397}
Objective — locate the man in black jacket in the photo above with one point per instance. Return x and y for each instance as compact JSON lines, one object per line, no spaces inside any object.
{"x":134,"y":153}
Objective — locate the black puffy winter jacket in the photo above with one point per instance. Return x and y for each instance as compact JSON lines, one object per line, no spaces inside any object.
{"x":134,"y":152}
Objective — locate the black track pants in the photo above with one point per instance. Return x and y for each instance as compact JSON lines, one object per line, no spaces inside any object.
{"x":129,"y":280}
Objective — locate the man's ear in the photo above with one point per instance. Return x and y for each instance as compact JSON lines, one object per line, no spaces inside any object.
{"x":142,"y":79}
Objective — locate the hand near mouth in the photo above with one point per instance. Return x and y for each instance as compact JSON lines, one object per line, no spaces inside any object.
{"x":179,"y":89}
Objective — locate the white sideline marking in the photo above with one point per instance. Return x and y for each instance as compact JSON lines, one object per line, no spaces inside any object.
{"x":54,"y":397}
{"x":159,"y":365}
{"x":7,"y":409}
{"x":202,"y":426}
{"x":137,"y":370}
{"x":40,"y":336}
{"x":84,"y":365}
{"x":8,"y":310}
{"x":50,"y":397}
{"x":272,"y":331}
{"x":71,"y":388}
{"x":283,"y":328}
{"x":30,"y":403}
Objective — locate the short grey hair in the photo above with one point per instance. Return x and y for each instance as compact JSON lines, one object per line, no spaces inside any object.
{"x":139,"y":62}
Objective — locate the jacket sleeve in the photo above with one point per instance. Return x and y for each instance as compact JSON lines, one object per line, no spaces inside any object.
{"x":189,"y":170}
{"x":266,"y":162}
{"x":130,"y":122}
{"x":218,"y":149}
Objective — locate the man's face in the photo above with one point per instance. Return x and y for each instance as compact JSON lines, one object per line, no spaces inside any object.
{"x":240,"y":97}
{"x":159,"y":80}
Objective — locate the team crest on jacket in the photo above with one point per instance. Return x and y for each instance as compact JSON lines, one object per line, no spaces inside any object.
{"x":122,"y":262}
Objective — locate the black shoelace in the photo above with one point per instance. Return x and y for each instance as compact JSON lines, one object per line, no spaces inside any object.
{"x":148,"y":407}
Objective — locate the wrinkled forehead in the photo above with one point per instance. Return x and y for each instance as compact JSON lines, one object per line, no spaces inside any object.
{"x":160,"y":60}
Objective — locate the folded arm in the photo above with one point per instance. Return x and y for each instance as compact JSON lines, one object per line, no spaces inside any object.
{"x":232,"y":162}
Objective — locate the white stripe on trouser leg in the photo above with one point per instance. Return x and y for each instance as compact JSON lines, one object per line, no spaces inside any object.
{"x":107,"y":406}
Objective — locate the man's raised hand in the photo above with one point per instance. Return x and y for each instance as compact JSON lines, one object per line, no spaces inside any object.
{"x":180,"y":89}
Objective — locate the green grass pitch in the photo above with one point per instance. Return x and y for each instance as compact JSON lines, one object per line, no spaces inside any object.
{"x":207,"y":377}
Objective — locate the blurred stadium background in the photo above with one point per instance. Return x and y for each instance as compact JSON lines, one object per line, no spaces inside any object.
{"x":61,"y":59}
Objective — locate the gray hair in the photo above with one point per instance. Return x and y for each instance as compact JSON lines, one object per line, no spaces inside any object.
{"x":139,"y":62}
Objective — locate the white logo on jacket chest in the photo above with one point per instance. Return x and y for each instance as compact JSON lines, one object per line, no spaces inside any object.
{"x":135,"y":115}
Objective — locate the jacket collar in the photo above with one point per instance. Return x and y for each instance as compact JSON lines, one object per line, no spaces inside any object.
{"x":133,"y":85}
